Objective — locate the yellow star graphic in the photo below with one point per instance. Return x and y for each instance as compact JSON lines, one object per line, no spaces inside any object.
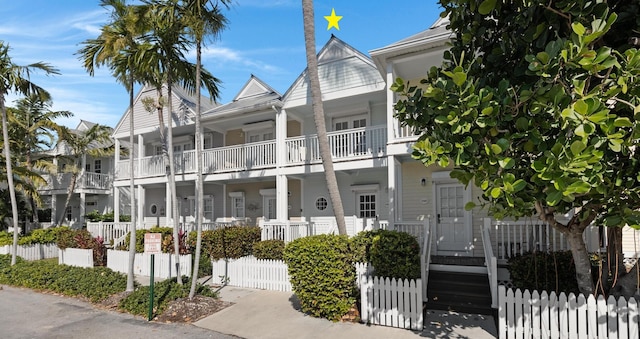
{"x":333,"y":20}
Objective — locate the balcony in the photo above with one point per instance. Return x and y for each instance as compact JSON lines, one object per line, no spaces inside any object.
{"x":89,"y":180}
{"x":359,"y":143}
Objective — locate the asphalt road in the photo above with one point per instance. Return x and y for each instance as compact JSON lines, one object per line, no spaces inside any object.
{"x":28,"y":314}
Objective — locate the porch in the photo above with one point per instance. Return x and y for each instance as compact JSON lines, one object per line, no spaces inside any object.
{"x":88,"y":180}
{"x":346,"y":145}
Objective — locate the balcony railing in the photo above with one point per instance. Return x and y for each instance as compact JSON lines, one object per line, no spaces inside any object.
{"x":349,"y":144}
{"x":90,"y":180}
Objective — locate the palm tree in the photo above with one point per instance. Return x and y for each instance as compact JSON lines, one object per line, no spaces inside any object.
{"x":116,"y":48}
{"x":202,"y":18}
{"x":318,"y":114}
{"x":15,"y":78}
{"x":95,"y":142}
{"x":33,"y":121}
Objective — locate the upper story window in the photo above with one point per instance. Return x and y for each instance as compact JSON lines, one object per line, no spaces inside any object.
{"x":260,"y":135}
{"x":97,"y":166}
{"x":352,"y":121}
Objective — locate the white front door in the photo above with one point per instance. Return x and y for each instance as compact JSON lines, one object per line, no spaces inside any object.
{"x":453,"y":223}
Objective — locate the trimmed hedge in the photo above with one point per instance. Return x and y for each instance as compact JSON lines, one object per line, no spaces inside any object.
{"x":549,"y":271}
{"x":322,"y":275}
{"x":227,"y":242}
{"x":39,"y":236}
{"x":393,"y":254}
{"x":95,"y":283}
{"x":269,"y":249}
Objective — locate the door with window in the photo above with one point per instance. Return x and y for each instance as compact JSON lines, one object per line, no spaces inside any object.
{"x":257,"y":155}
{"x":453,"y":222}
{"x":349,"y":143}
{"x":269,"y":207}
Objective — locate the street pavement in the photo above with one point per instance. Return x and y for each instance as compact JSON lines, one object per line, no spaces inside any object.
{"x":28,"y":314}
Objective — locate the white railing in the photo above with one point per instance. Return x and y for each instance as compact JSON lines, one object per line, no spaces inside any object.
{"x":184,"y":162}
{"x":239,"y":157}
{"x":108,"y":231}
{"x":287,"y":231}
{"x":150,"y":166}
{"x":405,"y":132}
{"x":76,"y":257}
{"x":425,"y":256}
{"x":346,"y":144}
{"x":491,"y":262}
{"x":416,"y":228}
{"x":96,"y":180}
{"x":510,"y":238}
{"x":164,"y":264}
{"x":32,"y":252}
{"x":56,"y":181}
{"x":391,"y":302}
{"x":249,"y":272}
{"x":534,"y":315}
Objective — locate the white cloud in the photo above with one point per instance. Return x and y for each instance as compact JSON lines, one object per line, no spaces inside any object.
{"x":228,"y":55}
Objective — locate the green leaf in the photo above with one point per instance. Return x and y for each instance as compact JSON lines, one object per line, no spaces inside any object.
{"x":622,"y":122}
{"x":486,"y":7}
{"x":577,"y":147}
{"x":507,"y":163}
{"x":459,"y":78}
{"x":578,"y":187}
{"x":496,"y":192}
{"x":469,"y":206}
{"x":578,"y":28}
{"x":553,"y":198}
{"x":519,"y":185}
{"x":522,"y":124}
{"x":496,"y":149}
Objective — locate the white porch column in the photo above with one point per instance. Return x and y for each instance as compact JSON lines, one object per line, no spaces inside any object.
{"x":392,"y":122}
{"x":141,"y":205}
{"x":282,"y":198}
{"x":391,"y":183}
{"x":83,"y":200}
{"x":116,"y":156}
{"x":54,"y":202}
{"x":116,"y":204}
{"x":281,"y":136}
{"x":140,"y":153}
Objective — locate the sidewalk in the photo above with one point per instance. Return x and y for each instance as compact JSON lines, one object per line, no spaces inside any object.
{"x":270,"y":314}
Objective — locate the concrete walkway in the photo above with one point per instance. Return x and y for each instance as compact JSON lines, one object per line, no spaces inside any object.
{"x":269,"y":314}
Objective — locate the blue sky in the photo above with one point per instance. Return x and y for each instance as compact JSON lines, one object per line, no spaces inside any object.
{"x":264,"y":38}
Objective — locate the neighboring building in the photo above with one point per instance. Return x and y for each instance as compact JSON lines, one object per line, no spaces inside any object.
{"x":93,"y":189}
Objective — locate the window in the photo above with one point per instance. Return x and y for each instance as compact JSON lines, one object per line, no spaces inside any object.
{"x":97,"y":166}
{"x":237,"y":204}
{"x":68,"y":213}
{"x":351,"y":143}
{"x":321,"y":203}
{"x":87,"y":167}
{"x":260,"y":135}
{"x":208,"y":208}
{"x":153,"y":209}
{"x":366,"y":205}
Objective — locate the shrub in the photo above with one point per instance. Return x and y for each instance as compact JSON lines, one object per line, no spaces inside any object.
{"x":68,"y":238}
{"x":95,"y":283}
{"x":392,"y":254}
{"x":39,"y":236}
{"x":322,"y":275}
{"x":549,"y":271}
{"x":164,"y":292}
{"x":269,"y":249}
{"x":95,"y":216}
{"x":228,"y":242}
{"x":167,"y":240}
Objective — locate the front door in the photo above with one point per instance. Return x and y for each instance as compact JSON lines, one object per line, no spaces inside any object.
{"x":453,"y":223}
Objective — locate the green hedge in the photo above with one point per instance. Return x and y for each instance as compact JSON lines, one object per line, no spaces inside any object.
{"x":269,"y":249}
{"x":39,"y":236}
{"x":167,"y":240}
{"x":95,"y":283}
{"x":164,"y":292}
{"x":553,"y":271}
{"x":393,"y":254}
{"x":322,"y":275}
{"x":227,"y":242}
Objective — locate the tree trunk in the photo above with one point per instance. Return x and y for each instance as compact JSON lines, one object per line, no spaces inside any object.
{"x":132,"y":236}
{"x":623,"y":283}
{"x":70,"y":189}
{"x":172,"y":183}
{"x":580,"y":259}
{"x":318,"y":114}
{"x":199,"y":180}
{"x":12,"y":188}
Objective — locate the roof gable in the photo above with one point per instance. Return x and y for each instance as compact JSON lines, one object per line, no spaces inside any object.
{"x":340,"y":68}
{"x":254,"y":87}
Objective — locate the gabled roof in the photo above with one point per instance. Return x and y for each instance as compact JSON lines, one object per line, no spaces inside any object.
{"x":436,"y":35}
{"x":340,"y":67}
{"x":254,"y":95}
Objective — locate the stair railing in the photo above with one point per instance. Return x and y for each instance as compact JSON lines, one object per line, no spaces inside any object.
{"x":490,"y":261}
{"x":425,"y":257}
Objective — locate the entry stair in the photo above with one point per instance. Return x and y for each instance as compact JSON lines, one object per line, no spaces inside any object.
{"x":463,"y":289}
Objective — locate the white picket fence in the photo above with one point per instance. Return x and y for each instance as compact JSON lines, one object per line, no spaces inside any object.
{"x":533,"y":315}
{"x":76,"y":257}
{"x":164,"y":264}
{"x":391,"y":302}
{"x":250,"y":272}
{"x":32,"y":252}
